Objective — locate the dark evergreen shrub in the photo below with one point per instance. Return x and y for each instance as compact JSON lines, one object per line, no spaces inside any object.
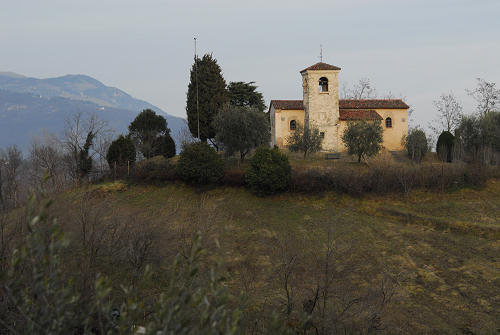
{"x":121,"y":151}
{"x":164,"y":145}
{"x":199,"y":164}
{"x":269,"y":171}
{"x":444,"y":146}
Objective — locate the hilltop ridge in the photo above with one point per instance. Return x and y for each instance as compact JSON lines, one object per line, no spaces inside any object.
{"x":29,"y":106}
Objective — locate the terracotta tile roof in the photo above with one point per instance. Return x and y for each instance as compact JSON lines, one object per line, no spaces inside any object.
{"x":346,"y":104}
{"x":358,"y":114}
{"x":373,"y":104}
{"x":321,"y":66}
{"x":288,"y":104}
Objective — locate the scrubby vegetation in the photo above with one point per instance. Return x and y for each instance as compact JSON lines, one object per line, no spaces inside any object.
{"x":156,"y":169}
{"x":390,"y":177}
{"x":40,"y":295}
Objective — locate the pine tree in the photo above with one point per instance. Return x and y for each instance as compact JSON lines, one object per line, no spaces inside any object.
{"x":212,"y":96}
{"x":121,"y":152}
{"x":145,"y":129}
{"x":245,"y":95}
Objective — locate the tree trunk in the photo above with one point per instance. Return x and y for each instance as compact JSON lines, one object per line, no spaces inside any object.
{"x":359,"y":158}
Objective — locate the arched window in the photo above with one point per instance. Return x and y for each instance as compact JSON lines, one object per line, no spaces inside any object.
{"x":293,"y":125}
{"x":388,"y":122}
{"x":323,"y":84}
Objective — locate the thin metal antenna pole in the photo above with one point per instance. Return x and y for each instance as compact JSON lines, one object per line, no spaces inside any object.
{"x":197,"y":99}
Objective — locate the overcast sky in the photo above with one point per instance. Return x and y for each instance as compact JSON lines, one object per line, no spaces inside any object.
{"x":415,"y":49}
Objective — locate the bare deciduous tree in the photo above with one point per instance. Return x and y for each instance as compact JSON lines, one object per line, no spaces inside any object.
{"x":363,"y":89}
{"x":10,"y":162}
{"x":449,"y":113}
{"x":101,"y":146}
{"x":47,"y":163}
{"x":77,"y":129}
{"x":487,"y":97}
{"x":184,"y":136}
{"x":288,"y":253}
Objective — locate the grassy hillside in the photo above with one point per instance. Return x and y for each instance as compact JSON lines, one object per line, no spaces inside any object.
{"x":436,"y":255}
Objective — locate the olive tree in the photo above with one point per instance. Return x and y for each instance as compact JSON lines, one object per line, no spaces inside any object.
{"x":305,"y":139}
{"x":363,"y":138}
{"x":416,"y":144}
{"x":241,"y":129}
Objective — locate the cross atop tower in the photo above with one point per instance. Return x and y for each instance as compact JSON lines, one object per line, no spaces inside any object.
{"x":321,"y":53}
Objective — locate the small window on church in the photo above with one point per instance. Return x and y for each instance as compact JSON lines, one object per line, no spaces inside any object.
{"x":293,"y":125}
{"x":323,"y":84}
{"x":322,"y":134}
{"x":388,"y":122}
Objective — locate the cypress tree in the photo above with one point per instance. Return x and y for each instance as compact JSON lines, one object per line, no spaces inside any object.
{"x":444,"y":146}
{"x":212,"y":96}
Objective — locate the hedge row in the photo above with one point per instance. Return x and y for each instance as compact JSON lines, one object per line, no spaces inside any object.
{"x":390,"y":179}
{"x":356,"y":181}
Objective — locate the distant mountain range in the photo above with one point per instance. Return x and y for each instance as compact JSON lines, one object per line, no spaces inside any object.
{"x":30,"y":106}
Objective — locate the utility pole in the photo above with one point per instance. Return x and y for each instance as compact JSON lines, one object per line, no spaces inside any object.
{"x":196,"y":76}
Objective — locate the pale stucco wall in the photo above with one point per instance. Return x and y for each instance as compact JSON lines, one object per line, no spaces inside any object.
{"x":322,"y":108}
{"x":391,"y":136}
{"x":281,"y":129}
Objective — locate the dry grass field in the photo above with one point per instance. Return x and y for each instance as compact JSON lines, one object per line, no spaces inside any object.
{"x":436,"y":253}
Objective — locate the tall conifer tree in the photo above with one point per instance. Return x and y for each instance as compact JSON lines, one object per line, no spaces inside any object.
{"x":245,"y":95}
{"x":212,"y":96}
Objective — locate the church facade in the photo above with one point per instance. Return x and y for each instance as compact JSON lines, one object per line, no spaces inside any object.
{"x":322,"y":107}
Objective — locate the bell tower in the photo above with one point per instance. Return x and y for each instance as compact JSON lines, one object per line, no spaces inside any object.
{"x":320,"y":86}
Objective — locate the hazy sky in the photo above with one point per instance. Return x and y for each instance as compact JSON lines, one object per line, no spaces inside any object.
{"x":416,"y":49}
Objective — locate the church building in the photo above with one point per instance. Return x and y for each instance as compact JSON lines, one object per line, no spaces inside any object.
{"x":322,"y":107}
